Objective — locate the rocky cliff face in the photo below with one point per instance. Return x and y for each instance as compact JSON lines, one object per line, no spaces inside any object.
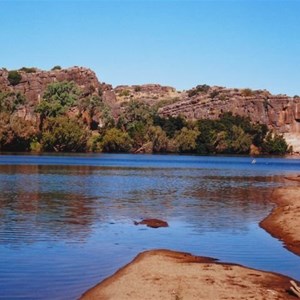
{"x":281,"y":113}
{"x":33,"y":84}
{"x":149,"y":93}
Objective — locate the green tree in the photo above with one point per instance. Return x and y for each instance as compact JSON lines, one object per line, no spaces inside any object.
{"x":170,"y":125}
{"x":274,"y":144}
{"x":14,"y":77}
{"x":15,"y":133}
{"x":186,"y":139}
{"x":158,"y":138}
{"x":240,"y":141}
{"x":115,"y":140}
{"x":58,"y":96}
{"x":63,"y":134}
{"x":9,"y":101}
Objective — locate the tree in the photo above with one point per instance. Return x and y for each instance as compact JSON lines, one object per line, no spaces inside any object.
{"x":14,"y":77}
{"x":170,"y":125}
{"x":63,"y":134}
{"x":158,"y":138}
{"x":9,"y":101}
{"x":15,"y":133}
{"x":186,"y":140}
{"x":57,"y":98}
{"x":115,"y":140}
{"x":240,"y":141}
{"x":274,"y":144}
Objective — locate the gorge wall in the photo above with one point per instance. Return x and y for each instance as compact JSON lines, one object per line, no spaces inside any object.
{"x":279,"y":112}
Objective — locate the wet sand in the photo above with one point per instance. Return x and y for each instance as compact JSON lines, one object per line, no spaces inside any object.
{"x":284,"y":221}
{"x":164,"y":274}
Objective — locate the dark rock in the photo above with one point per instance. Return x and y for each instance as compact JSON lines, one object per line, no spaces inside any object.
{"x":153,"y":223}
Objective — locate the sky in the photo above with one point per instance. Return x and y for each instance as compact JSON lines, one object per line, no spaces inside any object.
{"x":182,"y":43}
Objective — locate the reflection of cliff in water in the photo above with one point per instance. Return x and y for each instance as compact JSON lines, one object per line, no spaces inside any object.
{"x":38,"y":204}
{"x":64,"y":202}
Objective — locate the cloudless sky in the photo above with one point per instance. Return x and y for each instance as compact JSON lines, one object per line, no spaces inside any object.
{"x":237,"y":43}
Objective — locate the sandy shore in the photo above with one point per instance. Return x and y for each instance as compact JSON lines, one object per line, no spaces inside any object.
{"x":164,"y":274}
{"x":169,"y":275}
{"x":284,"y":221}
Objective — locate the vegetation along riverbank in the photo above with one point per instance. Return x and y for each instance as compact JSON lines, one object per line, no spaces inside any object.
{"x":69,"y":110}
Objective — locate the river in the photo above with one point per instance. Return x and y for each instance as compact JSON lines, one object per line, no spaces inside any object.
{"x":66,"y":221}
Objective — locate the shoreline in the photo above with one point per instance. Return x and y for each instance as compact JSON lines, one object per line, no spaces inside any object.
{"x":166,"y":274}
{"x":171,"y":275}
{"x":283,"y":223}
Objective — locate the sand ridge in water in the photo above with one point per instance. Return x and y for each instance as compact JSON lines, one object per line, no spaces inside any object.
{"x":165,"y":274}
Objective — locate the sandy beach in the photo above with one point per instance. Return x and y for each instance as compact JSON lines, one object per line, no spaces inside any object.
{"x":164,"y":274}
{"x":284,"y":221}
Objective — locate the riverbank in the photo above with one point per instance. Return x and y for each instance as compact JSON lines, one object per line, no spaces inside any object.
{"x":284,"y":221}
{"x":164,"y":274}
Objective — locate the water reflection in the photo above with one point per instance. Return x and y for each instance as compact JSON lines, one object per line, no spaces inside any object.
{"x":75,"y":214}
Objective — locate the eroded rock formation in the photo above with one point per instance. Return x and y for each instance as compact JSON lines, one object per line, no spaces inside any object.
{"x":279,"y":112}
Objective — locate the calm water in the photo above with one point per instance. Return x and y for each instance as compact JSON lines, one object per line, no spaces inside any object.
{"x":66,"y":222}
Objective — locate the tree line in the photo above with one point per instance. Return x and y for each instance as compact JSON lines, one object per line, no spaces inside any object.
{"x":138,"y":129}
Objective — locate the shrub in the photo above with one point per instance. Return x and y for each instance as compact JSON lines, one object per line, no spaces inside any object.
{"x":57,"y":98}
{"x":28,"y":70}
{"x":203,"y":88}
{"x":137,"y":88}
{"x":274,"y":144}
{"x":56,"y":68}
{"x":64,"y":135}
{"x":185,"y":140}
{"x":124,"y":93}
{"x":14,"y":77}
{"x":9,"y":101}
{"x":116,"y":140}
{"x":247,"y":92}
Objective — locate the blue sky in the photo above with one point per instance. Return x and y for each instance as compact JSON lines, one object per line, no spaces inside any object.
{"x":237,"y":43}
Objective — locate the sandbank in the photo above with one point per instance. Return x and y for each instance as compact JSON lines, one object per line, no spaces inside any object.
{"x":284,"y":221}
{"x":165,"y":274}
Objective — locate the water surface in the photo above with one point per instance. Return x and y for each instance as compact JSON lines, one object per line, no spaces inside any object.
{"x":66,"y":222}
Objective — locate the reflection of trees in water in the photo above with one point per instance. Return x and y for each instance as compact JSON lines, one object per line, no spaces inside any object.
{"x":31,"y":211}
{"x":65,"y":202}
{"x":223,"y":203}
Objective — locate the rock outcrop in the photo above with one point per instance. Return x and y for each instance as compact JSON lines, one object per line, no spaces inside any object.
{"x":279,"y":112}
{"x":33,"y":84}
{"x":149,"y":93}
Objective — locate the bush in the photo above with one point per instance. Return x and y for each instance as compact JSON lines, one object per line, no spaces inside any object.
{"x":185,"y":140}
{"x":9,"y":101}
{"x":28,"y":70}
{"x":247,"y":92}
{"x":64,"y":135}
{"x":124,"y":93}
{"x":56,"y":68}
{"x":274,"y":144}
{"x":58,"y":96}
{"x":204,"y":88}
{"x":116,"y":140}
{"x":14,"y":77}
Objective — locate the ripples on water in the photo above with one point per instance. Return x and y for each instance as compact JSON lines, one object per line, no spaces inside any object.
{"x":66,"y":222}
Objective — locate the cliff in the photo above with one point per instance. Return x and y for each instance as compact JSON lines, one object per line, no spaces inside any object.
{"x":279,"y":112}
